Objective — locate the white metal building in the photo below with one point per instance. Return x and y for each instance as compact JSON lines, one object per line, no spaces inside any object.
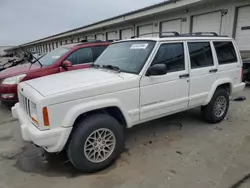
{"x":3,"y":48}
{"x":225,"y":17}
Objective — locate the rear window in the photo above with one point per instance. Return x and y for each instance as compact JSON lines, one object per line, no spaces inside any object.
{"x":225,"y":52}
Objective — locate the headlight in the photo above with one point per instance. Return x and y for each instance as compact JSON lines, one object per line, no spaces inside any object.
{"x":33,"y":112}
{"x":14,"y":79}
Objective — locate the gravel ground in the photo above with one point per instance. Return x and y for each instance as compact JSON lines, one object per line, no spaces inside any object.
{"x":175,"y":151}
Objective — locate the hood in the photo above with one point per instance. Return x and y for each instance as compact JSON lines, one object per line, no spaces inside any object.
{"x":73,"y":80}
{"x":19,"y":69}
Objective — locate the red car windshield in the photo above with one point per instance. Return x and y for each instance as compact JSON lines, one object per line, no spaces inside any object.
{"x":53,"y":56}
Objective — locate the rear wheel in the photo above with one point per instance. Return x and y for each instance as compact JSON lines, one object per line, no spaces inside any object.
{"x":96,"y":143}
{"x":216,"y":110}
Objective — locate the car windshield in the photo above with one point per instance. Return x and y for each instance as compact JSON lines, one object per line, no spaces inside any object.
{"x":53,"y":56}
{"x":129,"y":56}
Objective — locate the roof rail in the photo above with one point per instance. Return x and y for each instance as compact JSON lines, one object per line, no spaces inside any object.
{"x":203,"y":34}
{"x":174,"y":33}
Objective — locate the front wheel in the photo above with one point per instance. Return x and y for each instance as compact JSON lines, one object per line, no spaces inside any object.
{"x":96,"y":143}
{"x":216,"y":110}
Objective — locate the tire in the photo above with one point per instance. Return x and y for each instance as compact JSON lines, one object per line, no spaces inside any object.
{"x":80,"y":156}
{"x":209,"y":113}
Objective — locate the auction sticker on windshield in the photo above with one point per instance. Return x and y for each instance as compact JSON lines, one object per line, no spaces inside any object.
{"x":139,"y":46}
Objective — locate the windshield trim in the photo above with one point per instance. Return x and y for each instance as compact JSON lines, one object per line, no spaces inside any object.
{"x":146,"y":57}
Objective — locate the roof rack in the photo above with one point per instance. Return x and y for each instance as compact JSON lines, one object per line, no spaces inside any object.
{"x":97,"y":41}
{"x":174,"y":34}
{"x":86,"y":40}
{"x":202,"y":34}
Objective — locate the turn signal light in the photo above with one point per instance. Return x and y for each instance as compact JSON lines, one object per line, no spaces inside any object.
{"x":45,"y":116}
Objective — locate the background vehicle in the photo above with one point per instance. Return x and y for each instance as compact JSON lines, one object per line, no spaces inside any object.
{"x":64,"y":58}
{"x":15,"y":62}
{"x":132,"y":82}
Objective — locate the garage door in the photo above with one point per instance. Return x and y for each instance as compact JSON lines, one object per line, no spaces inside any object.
{"x":82,"y":38}
{"x":242,"y":34}
{"x":173,"y":25}
{"x":126,"y":33}
{"x":113,"y":35}
{"x":90,"y":37}
{"x":99,"y":36}
{"x":146,"y":30}
{"x":210,"y":22}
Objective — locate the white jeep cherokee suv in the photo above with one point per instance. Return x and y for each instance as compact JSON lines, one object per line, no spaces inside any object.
{"x":85,"y":112}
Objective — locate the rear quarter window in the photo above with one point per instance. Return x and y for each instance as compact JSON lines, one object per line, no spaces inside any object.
{"x":225,"y":52}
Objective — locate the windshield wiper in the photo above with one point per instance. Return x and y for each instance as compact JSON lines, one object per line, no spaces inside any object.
{"x":36,"y":60}
{"x":111,"y":67}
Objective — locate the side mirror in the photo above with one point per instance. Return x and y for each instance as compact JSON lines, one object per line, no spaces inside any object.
{"x":66,"y":64}
{"x":157,"y":70}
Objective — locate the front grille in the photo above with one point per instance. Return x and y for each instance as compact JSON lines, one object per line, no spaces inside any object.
{"x":24,"y":103}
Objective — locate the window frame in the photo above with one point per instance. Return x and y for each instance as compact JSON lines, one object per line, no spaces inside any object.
{"x":153,"y":54}
{"x":78,"y":50}
{"x":167,"y":43}
{"x":211,"y":49}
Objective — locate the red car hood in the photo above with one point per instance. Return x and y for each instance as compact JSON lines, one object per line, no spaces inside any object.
{"x":20,"y":69}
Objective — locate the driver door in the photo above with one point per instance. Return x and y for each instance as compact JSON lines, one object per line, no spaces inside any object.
{"x":166,"y":94}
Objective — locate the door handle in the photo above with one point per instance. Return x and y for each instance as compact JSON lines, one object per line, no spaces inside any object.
{"x":184,"y":76}
{"x":213,"y":70}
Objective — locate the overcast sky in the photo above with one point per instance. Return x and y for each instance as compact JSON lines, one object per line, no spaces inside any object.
{"x":22,"y":21}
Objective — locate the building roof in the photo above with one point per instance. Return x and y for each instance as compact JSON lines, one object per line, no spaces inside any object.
{"x":156,"y":8}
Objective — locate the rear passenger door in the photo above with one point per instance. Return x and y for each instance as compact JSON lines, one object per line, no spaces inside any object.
{"x":203,"y":71}
{"x":166,"y":94}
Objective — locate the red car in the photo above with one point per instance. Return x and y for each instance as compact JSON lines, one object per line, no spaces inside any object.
{"x":65,"y":58}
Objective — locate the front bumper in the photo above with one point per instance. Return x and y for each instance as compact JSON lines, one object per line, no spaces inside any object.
{"x":9,"y":89}
{"x":52,"y":140}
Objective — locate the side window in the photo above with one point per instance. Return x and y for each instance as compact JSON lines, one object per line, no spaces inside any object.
{"x":97,"y":51}
{"x":83,"y":55}
{"x":225,"y":52}
{"x":172,"y":55}
{"x":200,"y":54}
